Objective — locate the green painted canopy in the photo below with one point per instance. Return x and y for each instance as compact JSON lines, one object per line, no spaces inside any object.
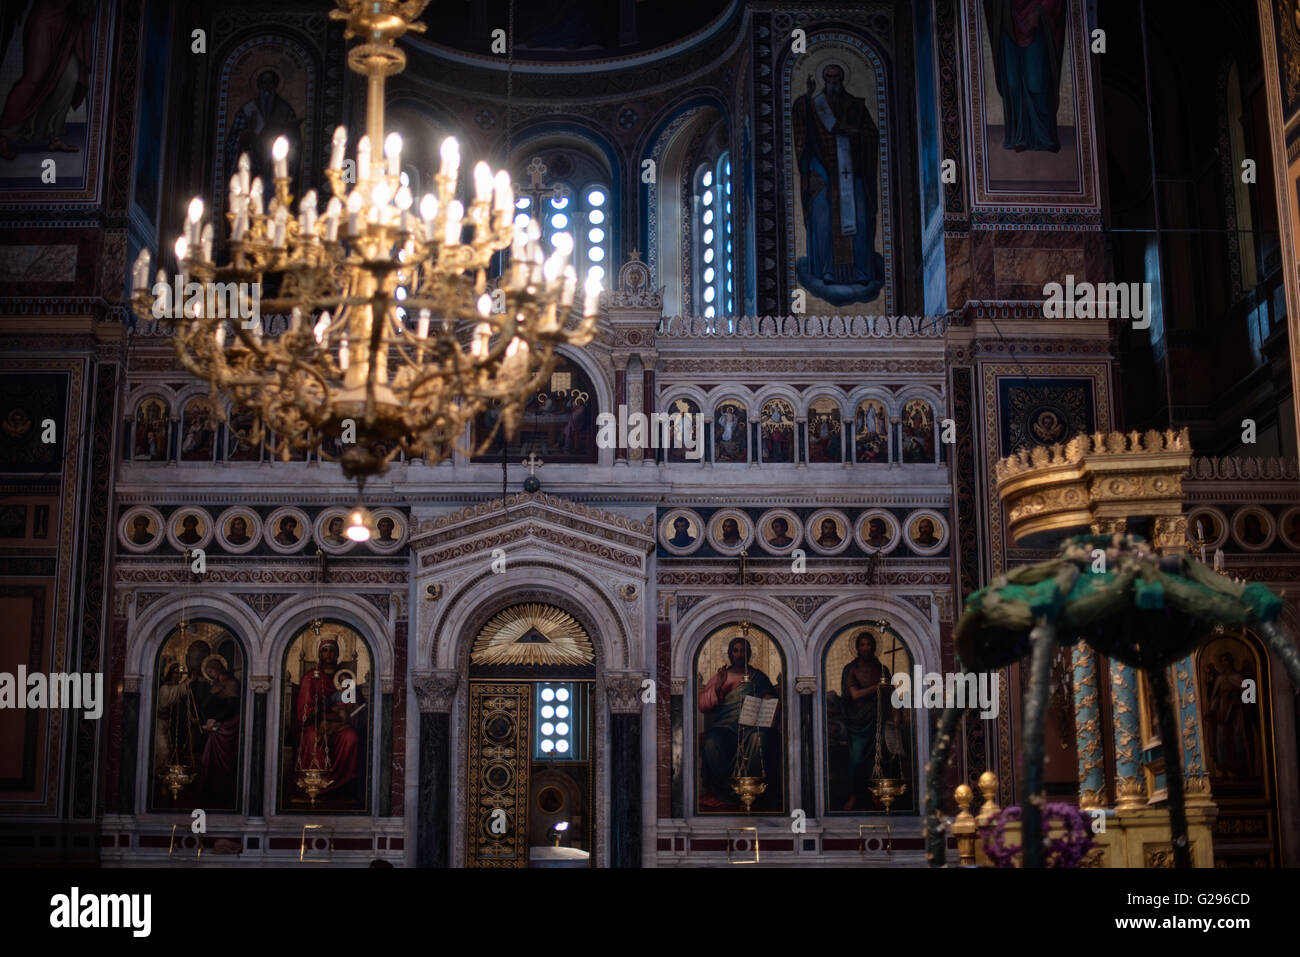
{"x":1113,"y":592}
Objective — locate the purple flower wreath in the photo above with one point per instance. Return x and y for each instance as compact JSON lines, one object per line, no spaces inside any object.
{"x":1066,"y":851}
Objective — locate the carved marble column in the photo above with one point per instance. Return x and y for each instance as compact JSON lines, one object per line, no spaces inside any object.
{"x":806,"y":686}
{"x":633,"y":384}
{"x":623,"y":693}
{"x":620,"y":399}
{"x":261,"y":687}
{"x":1087,"y":724}
{"x":435,"y":692}
{"x":678,"y":747}
{"x":801,"y":443}
{"x":1130,"y":786}
{"x":648,"y":401}
{"x":130,"y":735}
{"x":1196,"y":781}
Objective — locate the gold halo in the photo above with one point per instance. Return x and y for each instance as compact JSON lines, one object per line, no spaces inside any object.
{"x":203,"y":668}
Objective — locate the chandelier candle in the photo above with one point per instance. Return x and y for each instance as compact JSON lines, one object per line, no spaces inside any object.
{"x":363,"y":344}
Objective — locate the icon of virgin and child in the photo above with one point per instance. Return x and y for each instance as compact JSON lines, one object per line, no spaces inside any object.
{"x":326,"y":719}
{"x":720,"y":702}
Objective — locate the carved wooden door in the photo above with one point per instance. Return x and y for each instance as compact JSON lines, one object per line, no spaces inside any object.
{"x":499,"y":759}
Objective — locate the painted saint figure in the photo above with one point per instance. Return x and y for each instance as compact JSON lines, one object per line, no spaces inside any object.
{"x":257,"y":125}
{"x":860,"y":683}
{"x":780,"y":533}
{"x":682,"y":537}
{"x":836,"y":143}
{"x":57,"y":48}
{"x":327,"y":737}
{"x":219,"y":726}
{"x":1231,"y":723}
{"x":720,"y":701}
{"x":1028,"y":42}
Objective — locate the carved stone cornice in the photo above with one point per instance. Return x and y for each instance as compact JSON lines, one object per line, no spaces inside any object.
{"x":435,"y":690}
{"x":623,"y":692}
{"x":536,"y":505}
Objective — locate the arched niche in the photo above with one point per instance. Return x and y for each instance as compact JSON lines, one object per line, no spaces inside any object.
{"x":197,"y":734}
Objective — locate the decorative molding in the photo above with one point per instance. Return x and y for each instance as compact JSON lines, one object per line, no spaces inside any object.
{"x":678,"y":686}
{"x":807,"y":327}
{"x":805,"y":606}
{"x":685,"y":602}
{"x":131,"y":683}
{"x":811,"y":365}
{"x":665,"y":605}
{"x":1249,"y":468}
{"x":380,"y":601}
{"x":261,"y":602}
{"x":538,"y":500}
{"x":789,"y":579}
{"x":623,"y":692}
{"x":542,"y":532}
{"x":435,"y":690}
{"x":261,"y":684}
{"x":805,"y":684}
{"x":920,"y":602}
{"x":144,"y":599}
{"x":260,"y":576}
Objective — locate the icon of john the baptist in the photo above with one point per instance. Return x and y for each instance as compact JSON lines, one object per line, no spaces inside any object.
{"x":720,"y":701}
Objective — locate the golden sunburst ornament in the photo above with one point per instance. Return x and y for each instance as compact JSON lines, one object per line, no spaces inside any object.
{"x":532,"y":634}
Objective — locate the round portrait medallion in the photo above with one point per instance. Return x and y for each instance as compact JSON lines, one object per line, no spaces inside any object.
{"x":287,"y":529}
{"x":730,"y":531}
{"x":828,"y":531}
{"x":189,"y":528}
{"x":926,"y":532}
{"x":140,"y":529}
{"x":877,"y":531}
{"x":681,"y":531}
{"x":779,"y":531}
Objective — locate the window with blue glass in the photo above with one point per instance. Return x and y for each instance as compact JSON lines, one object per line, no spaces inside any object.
{"x":560,"y":722}
{"x":583,"y":212}
{"x":714,"y":259}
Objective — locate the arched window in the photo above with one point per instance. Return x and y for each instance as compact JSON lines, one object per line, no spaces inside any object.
{"x":714,"y":261}
{"x":584,"y":208}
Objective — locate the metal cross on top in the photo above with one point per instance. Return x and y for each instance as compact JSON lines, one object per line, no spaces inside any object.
{"x":535,"y":191}
{"x":533,"y":463}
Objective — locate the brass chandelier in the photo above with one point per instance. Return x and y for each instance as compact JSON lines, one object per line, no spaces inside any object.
{"x":395,"y":340}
